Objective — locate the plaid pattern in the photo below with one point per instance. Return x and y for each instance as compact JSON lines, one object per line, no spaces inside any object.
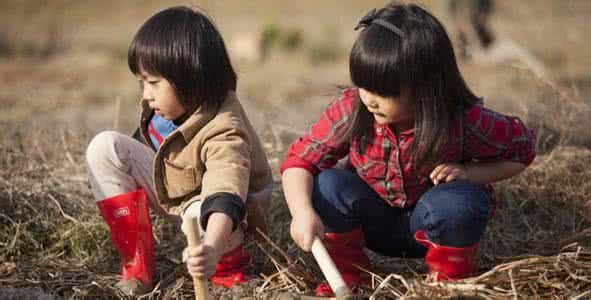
{"x":381,"y":158}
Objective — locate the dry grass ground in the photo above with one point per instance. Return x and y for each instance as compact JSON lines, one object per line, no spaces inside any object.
{"x":63,"y":67}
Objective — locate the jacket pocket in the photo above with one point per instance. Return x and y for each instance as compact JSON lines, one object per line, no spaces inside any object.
{"x":180,"y":180}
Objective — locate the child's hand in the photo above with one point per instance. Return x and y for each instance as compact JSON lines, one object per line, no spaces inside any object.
{"x":201,"y":260}
{"x":305,"y":226}
{"x":448,"y":172}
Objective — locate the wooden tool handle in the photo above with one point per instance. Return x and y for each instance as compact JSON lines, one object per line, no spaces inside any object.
{"x":194,"y":239}
{"x":329,"y":269}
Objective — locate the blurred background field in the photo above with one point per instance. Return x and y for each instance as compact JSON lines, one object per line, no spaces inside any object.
{"x":63,"y":69}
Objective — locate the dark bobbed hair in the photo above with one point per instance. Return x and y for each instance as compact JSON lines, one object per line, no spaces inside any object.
{"x":420,"y":65}
{"x":183,"y":46}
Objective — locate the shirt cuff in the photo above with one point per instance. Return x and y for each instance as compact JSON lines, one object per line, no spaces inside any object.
{"x":298,"y":163}
{"x":226,"y":203}
{"x":526,"y":160}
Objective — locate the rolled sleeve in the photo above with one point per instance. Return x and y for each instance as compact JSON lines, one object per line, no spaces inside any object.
{"x":490,"y":135}
{"x":226,"y":203}
{"x":292,"y":161}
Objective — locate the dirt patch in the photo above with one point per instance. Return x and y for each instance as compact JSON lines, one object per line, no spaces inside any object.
{"x":26,"y":294}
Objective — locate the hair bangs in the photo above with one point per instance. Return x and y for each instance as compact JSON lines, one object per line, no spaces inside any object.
{"x":376,"y":64}
{"x":147,"y":52}
{"x":183,"y":46}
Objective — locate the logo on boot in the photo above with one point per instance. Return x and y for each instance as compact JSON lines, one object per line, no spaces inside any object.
{"x":455,"y":259}
{"x":121,"y":212}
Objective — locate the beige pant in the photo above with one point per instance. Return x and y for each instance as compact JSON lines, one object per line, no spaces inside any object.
{"x":118,"y":164}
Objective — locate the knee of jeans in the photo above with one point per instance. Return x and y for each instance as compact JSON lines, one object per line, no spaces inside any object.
{"x":100,"y":147}
{"x":330,"y":182}
{"x":457,"y":213}
{"x":468,"y":198}
{"x":331,"y":197}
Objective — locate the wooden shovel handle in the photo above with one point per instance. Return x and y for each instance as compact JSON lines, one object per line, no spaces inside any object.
{"x":194,"y":240}
{"x":329,"y":269}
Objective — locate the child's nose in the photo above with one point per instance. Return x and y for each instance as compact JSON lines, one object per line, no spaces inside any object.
{"x":146,"y":93}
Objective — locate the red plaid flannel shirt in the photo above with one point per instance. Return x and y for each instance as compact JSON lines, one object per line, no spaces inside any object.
{"x":382,"y":161}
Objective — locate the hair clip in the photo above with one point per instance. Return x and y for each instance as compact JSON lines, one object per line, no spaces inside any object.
{"x":367,"y":19}
{"x":371,"y":18}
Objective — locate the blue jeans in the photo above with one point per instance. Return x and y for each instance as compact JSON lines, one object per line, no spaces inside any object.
{"x":453,"y":214}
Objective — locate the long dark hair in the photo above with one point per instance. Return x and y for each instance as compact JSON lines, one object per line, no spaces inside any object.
{"x":419,"y":64}
{"x":184,"y":46}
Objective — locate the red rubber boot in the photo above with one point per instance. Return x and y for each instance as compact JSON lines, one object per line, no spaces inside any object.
{"x":346,"y":251}
{"x":231,"y":267}
{"x":131,"y":233}
{"x":449,"y":263}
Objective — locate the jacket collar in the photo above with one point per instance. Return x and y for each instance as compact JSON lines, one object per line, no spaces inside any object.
{"x":195,"y":122}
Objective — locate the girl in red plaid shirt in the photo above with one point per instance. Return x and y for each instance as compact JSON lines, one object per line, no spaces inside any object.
{"x":422,"y":152}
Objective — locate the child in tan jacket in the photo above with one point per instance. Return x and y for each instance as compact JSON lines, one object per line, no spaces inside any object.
{"x":200,"y":156}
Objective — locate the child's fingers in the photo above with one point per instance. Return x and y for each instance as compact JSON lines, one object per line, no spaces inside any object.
{"x":440,"y":173}
{"x":196,"y":251}
{"x":436,"y":171}
{"x":201,"y":267}
{"x":202,"y":274}
{"x":451,"y":176}
{"x":197,"y":261}
{"x":199,"y":272}
{"x":185,"y":254}
{"x":456,"y":173}
{"x":443,"y":173}
{"x":197,"y":269}
{"x":440,"y":177}
{"x":308,"y":239}
{"x":307,"y":242}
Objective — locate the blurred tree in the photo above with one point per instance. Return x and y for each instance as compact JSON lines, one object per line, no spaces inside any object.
{"x":276,"y":37}
{"x":471,"y":24}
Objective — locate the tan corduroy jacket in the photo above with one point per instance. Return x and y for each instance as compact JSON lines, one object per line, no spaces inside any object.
{"x":211,"y":153}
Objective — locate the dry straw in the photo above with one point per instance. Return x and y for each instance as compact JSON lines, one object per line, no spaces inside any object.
{"x":51,"y":235}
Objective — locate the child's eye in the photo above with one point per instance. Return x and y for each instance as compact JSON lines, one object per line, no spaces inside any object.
{"x":152,"y":82}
